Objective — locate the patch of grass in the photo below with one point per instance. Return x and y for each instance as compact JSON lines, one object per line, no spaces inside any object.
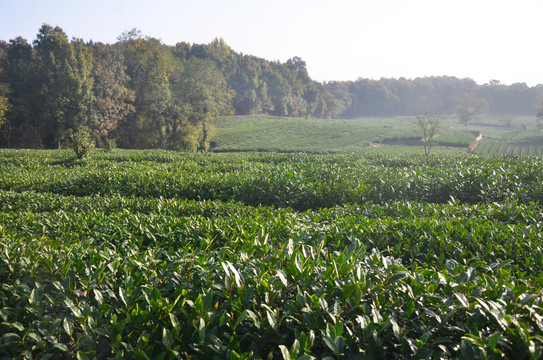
{"x":266,"y":133}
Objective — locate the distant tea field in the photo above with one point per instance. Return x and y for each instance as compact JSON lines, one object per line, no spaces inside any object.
{"x":393,"y":135}
{"x":165,"y":255}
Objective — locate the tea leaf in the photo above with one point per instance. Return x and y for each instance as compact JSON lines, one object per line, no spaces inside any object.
{"x":283,"y":277}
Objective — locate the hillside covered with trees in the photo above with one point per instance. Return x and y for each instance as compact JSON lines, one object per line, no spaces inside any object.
{"x":146,"y":94}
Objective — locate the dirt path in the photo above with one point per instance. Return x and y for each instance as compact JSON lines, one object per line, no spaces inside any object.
{"x":475,"y":144}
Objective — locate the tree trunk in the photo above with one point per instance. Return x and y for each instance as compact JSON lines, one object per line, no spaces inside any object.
{"x":205,"y":134}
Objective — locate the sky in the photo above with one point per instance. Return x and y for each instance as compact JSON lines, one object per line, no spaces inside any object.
{"x":338,"y":39}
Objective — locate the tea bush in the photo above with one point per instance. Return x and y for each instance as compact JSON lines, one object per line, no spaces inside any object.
{"x":251,"y":256}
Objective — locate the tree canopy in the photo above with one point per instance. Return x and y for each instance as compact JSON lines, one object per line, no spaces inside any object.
{"x":469,"y":107}
{"x":145,"y":94}
{"x":428,"y":118}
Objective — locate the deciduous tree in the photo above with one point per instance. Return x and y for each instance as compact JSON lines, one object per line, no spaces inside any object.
{"x":112,"y":99}
{"x":246,"y":82}
{"x":206,"y":96}
{"x":65,"y":82}
{"x":21,"y":127}
{"x":469,"y":107}
{"x":4,"y":106}
{"x":429,"y":115}
{"x":4,"y":103}
{"x":540,"y":116}
{"x":149,"y":64}
{"x":279,"y":92}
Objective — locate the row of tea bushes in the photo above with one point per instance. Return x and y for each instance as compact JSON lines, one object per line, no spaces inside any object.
{"x":115,"y":276}
{"x":299,"y":181}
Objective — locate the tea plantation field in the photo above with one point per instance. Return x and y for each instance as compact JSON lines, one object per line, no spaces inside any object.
{"x":163,"y":255}
{"x":368,"y":135}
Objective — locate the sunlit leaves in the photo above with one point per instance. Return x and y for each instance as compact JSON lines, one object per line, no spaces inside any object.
{"x":103,"y":272}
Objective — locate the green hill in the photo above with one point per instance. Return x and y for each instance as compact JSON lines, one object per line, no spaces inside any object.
{"x":393,"y":135}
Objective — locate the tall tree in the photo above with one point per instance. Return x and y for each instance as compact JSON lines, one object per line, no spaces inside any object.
{"x":149,"y":64}
{"x":295,"y":72}
{"x":4,"y":103}
{"x":428,"y":116}
{"x":112,"y":100}
{"x":206,"y":96}
{"x":279,"y":92}
{"x":65,"y":83}
{"x":469,"y":107}
{"x":540,"y":116}
{"x":22,"y":126}
{"x":247,"y":84}
{"x":181,"y":133}
{"x":340,"y":97}
{"x":221,"y":53}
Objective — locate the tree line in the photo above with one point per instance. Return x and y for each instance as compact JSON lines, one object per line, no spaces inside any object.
{"x":146,"y":94}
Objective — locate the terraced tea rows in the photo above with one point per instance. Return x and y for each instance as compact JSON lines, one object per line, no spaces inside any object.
{"x":165,"y":255}
{"x":503,"y":148}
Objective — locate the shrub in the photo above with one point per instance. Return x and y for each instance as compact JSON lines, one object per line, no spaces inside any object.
{"x":111,"y":144}
{"x":82,"y":143}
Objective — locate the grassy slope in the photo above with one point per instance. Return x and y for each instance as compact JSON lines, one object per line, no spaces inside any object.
{"x":267,"y":133}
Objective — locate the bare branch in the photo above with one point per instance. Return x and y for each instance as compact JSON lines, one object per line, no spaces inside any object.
{"x":428,"y":116}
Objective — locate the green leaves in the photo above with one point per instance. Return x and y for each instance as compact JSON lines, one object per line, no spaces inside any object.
{"x":66,"y":324}
{"x":167,"y":338}
{"x":299,"y":181}
{"x":333,"y":339}
{"x":296,"y":351}
{"x":146,"y":276}
{"x":283,"y":277}
{"x":272,"y":316}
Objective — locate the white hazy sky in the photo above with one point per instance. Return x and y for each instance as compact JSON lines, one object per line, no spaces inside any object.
{"x":338,"y":39}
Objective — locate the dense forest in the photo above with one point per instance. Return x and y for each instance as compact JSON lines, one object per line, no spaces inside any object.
{"x":146,"y":94}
